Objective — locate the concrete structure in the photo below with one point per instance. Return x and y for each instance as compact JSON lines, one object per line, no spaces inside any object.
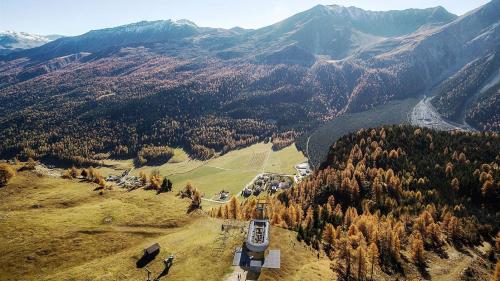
{"x":253,"y":255}
{"x":242,"y":259}
{"x":258,"y":236}
{"x":303,"y":170}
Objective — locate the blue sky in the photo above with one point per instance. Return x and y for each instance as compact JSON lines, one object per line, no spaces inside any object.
{"x":72,"y":17}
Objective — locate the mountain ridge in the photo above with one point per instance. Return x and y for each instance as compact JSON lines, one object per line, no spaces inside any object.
{"x":168,"y":30}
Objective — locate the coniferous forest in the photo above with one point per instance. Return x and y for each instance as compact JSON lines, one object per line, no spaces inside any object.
{"x":392,"y":189}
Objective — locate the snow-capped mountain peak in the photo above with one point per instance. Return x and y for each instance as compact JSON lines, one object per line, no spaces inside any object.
{"x":11,"y":41}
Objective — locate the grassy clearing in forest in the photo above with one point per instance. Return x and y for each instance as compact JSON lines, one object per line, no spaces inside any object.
{"x":231,"y":171}
{"x":283,"y":161}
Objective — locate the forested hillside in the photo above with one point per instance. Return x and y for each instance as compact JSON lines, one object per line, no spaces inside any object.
{"x":115,"y":91}
{"x":391,"y":194}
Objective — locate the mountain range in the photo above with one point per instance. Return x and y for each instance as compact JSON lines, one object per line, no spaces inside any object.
{"x":211,"y":90}
{"x":11,"y":41}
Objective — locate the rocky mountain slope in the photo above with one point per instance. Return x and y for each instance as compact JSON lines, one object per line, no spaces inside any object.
{"x":471,"y":94}
{"x":212,"y":90}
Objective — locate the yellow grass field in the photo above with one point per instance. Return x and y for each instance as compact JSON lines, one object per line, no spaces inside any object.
{"x":58,"y":229}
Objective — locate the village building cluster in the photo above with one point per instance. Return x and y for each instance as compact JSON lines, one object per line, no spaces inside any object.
{"x":125,"y":180}
{"x":267,"y":182}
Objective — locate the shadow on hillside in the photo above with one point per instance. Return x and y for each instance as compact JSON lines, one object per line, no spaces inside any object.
{"x":163,"y":273}
{"x":145,"y":260}
{"x":441,"y":252}
{"x":460,"y":247}
{"x":422,"y":269}
{"x":251,"y":275}
{"x":193,"y":208}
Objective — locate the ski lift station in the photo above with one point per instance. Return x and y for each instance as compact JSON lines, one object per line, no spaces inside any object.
{"x":253,"y":253}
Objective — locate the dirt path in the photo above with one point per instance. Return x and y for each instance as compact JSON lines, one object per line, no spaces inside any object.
{"x":265,"y":162}
{"x":452,"y":269}
{"x":229,"y":169}
{"x":214,"y":201}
